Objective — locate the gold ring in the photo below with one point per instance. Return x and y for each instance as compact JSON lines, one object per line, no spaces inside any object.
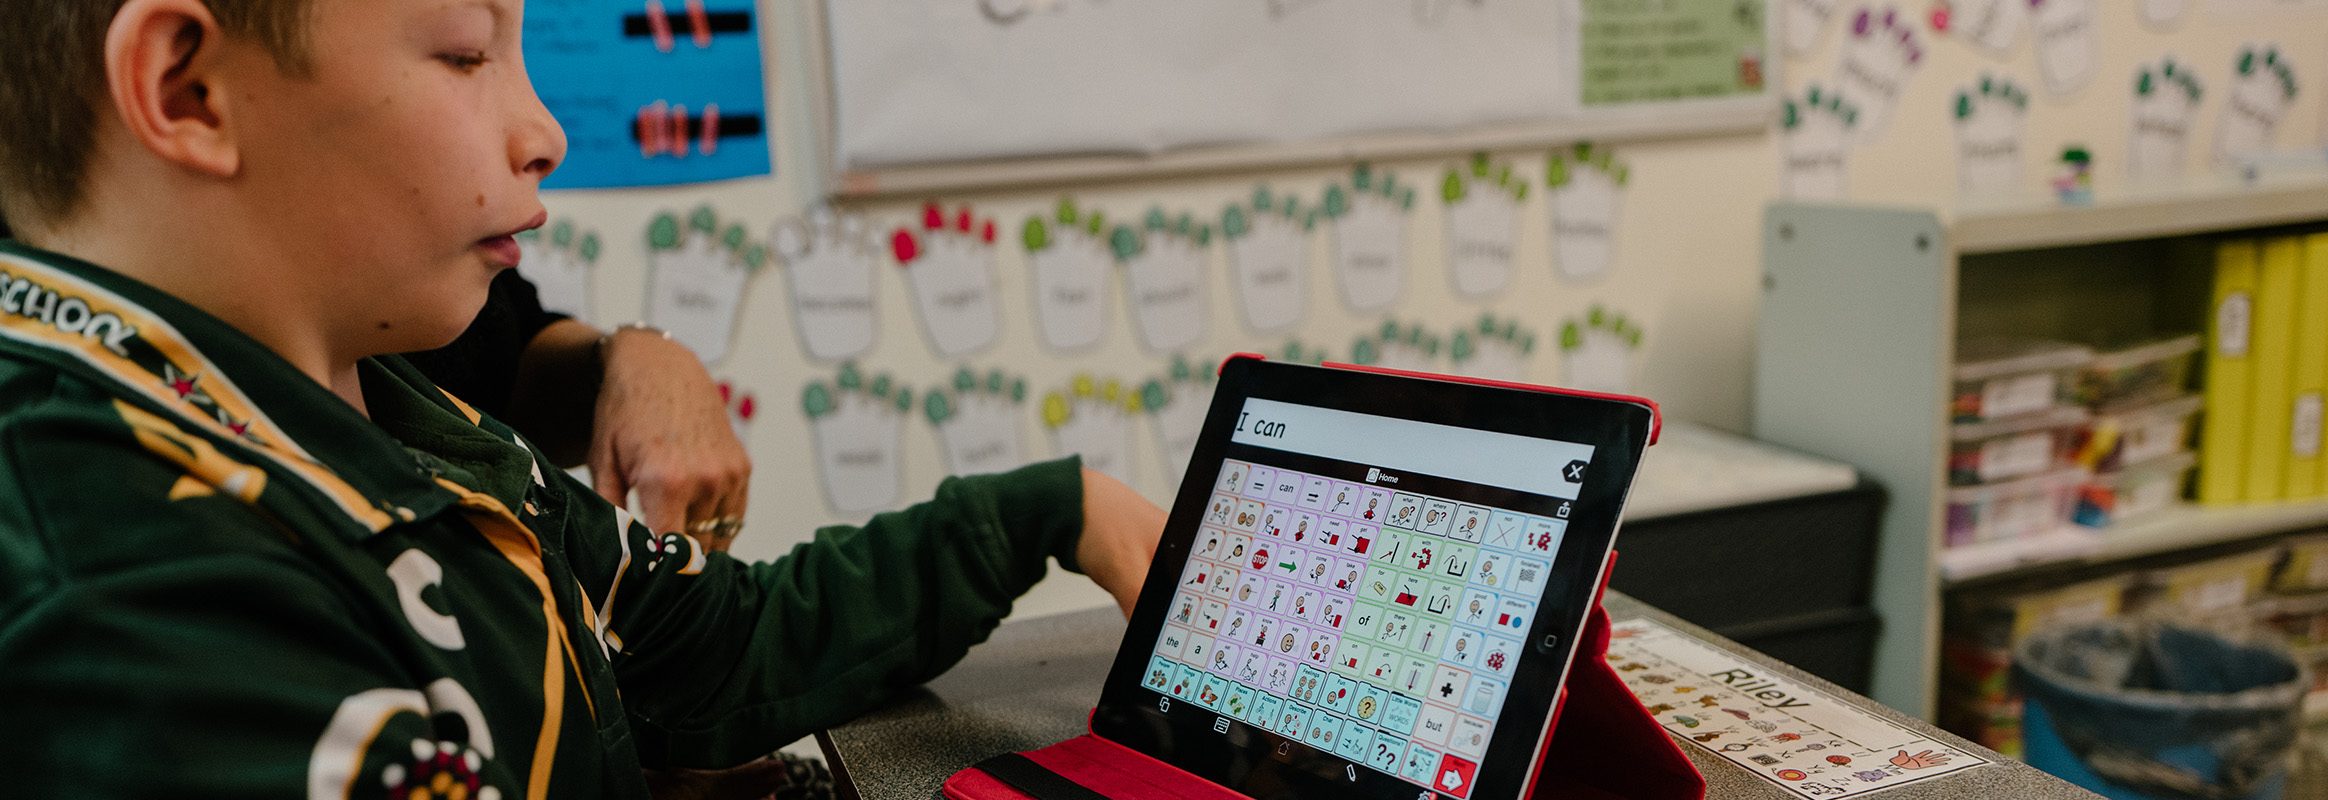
{"x":721,"y":527}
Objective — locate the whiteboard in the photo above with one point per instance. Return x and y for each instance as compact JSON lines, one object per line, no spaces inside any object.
{"x":922,"y":83}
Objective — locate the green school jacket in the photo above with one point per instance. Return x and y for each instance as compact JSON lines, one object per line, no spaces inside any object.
{"x":218,"y":580}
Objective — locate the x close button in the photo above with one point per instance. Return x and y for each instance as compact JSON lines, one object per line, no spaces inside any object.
{"x":1573,"y":473}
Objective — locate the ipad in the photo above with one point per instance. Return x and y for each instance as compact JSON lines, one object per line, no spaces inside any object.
{"x":1371,"y":582}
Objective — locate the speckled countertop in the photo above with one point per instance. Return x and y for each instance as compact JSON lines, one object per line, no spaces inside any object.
{"x":1035,"y":681}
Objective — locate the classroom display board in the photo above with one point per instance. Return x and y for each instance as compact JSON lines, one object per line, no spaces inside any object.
{"x":921,"y":83}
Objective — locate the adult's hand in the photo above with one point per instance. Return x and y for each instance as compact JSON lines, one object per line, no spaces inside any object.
{"x":1120,"y":532}
{"x":660,"y":429}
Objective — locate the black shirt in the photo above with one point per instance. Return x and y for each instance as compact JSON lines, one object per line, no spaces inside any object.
{"x":481,"y":366}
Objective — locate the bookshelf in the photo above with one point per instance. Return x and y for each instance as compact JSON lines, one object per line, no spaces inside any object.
{"x":1862,"y":307}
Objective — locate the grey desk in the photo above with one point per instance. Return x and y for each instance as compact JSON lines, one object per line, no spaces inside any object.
{"x":1034,"y":683}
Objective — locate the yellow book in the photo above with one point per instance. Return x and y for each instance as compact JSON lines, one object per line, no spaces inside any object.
{"x":2310,"y":373}
{"x":2223,"y":433}
{"x":2271,"y":369}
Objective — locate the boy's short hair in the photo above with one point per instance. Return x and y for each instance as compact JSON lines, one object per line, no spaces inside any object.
{"x":52,"y":83}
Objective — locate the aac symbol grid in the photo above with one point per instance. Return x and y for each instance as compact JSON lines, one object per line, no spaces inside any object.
{"x":1275,"y":583}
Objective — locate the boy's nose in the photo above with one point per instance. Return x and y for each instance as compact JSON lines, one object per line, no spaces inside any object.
{"x":537,"y":144}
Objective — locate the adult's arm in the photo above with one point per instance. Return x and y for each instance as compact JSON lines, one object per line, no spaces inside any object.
{"x":637,"y":408}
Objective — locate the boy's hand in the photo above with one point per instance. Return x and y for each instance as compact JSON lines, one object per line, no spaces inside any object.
{"x":1120,"y":531}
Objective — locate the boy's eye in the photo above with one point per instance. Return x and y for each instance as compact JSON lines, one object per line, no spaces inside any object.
{"x":464,"y":61}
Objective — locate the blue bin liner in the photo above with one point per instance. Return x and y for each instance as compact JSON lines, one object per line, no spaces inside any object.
{"x":2146,"y":710}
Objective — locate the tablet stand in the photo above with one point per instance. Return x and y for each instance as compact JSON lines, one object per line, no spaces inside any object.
{"x":1603,"y":745}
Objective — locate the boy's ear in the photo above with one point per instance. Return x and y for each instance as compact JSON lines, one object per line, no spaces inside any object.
{"x":161,"y":58}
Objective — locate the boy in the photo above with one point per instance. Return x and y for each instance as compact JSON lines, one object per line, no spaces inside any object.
{"x":243,"y":554}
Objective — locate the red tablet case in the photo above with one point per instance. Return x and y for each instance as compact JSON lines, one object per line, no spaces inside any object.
{"x":1603,"y":743}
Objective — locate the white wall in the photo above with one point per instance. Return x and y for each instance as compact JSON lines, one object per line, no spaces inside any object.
{"x":1686,"y":268}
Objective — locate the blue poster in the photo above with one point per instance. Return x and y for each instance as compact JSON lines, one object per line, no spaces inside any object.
{"x":650,"y":92}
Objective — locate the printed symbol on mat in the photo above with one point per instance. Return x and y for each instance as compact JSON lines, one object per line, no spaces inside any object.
{"x":1686,"y":720}
{"x":1845,"y":761}
{"x":1920,"y":760}
{"x":1764,"y":759}
{"x":1792,"y":774}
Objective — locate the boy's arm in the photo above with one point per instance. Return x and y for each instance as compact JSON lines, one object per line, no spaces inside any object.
{"x":724,"y":663}
{"x":157,"y":636}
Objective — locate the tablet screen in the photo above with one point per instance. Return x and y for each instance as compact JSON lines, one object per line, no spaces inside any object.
{"x":1363,"y":586}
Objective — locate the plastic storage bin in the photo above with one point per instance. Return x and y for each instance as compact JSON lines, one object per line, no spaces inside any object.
{"x":2004,"y":376}
{"x":2012,"y":509}
{"x":2014,"y":447}
{"x":2148,"y":369}
{"x":2136,"y":432}
{"x":2137,"y":490}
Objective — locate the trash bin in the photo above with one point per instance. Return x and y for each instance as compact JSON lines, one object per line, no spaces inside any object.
{"x":2148,"y":710}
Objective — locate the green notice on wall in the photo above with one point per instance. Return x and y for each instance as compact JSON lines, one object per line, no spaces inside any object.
{"x":1637,"y":51}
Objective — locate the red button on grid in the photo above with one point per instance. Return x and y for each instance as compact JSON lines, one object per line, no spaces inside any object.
{"x":1455,"y":776}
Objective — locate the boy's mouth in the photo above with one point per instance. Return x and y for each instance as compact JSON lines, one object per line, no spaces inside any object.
{"x":502,"y":251}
